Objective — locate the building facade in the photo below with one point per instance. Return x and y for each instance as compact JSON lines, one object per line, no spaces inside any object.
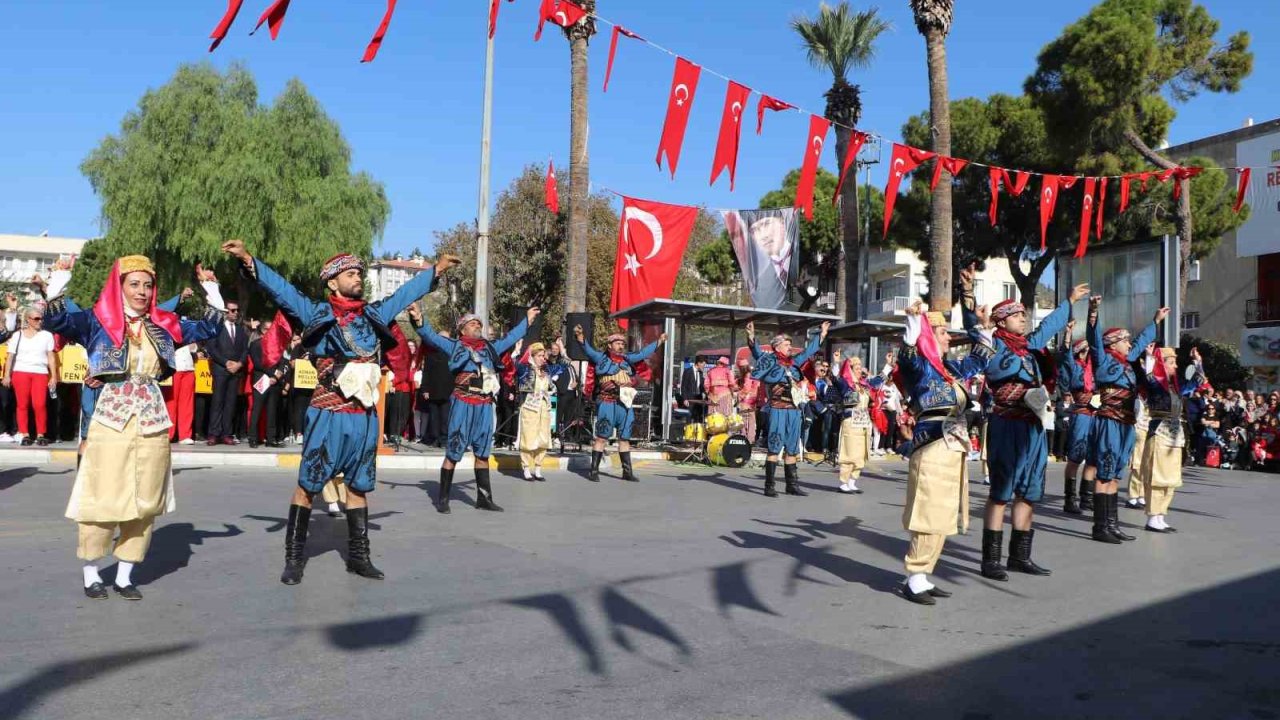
{"x":386,"y":276}
{"x":22,"y":256}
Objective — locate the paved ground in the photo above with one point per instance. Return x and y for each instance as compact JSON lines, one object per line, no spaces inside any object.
{"x":686,"y":596}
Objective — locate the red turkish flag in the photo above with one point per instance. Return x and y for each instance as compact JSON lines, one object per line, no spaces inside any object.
{"x":1049,"y":186}
{"x":1101,"y":205}
{"x":950,"y":164}
{"x":550,"y":189}
{"x":857,"y":139}
{"x":1086,"y":214}
{"x":768,"y":103}
{"x":904,"y":160}
{"x":274,"y":17}
{"x":220,"y":32}
{"x":651,"y":240}
{"x":1241,"y":187}
{"x":735,"y":100}
{"x":1178,"y":174}
{"x":276,"y":340}
{"x":613,"y":49}
{"x":493,"y":17}
{"x":684,"y":85}
{"x":561,"y":12}
{"x":994,"y":174}
{"x":1124,"y":191}
{"x":375,"y":44}
{"x":815,"y":140}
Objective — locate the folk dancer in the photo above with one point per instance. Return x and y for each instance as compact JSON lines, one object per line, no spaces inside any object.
{"x":346,"y":335}
{"x":779,"y":372}
{"x":1075,"y":379}
{"x":1167,"y":433}
{"x":615,"y":371}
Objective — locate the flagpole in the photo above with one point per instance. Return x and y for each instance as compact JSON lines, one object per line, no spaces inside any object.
{"x":482,"y":211}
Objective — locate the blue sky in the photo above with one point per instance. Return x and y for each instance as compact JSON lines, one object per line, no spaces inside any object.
{"x":71,"y":69}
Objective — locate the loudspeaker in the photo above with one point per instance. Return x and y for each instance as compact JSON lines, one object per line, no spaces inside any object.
{"x":534,"y":333}
{"x":572,"y":320}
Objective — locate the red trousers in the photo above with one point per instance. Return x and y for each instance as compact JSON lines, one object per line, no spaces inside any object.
{"x":32,"y":391}
{"x":180,"y":398}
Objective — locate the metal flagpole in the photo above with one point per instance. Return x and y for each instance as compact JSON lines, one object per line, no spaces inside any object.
{"x":482,"y":211}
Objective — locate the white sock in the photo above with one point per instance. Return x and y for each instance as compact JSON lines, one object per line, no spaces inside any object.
{"x":919,"y":583}
{"x":537,"y":472}
{"x":91,"y":575}
{"x":123,"y":571}
{"x":853,"y":483}
{"x":1153,"y":521}
{"x":333,"y":507}
{"x":844,"y":487}
{"x":1163,"y":524}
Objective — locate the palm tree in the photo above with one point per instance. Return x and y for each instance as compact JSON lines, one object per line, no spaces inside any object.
{"x":933,"y":20}
{"x":838,"y":40}
{"x":579,"y":36}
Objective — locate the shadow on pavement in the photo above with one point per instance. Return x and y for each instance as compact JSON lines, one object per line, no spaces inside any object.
{"x":172,"y":547}
{"x":54,"y":678}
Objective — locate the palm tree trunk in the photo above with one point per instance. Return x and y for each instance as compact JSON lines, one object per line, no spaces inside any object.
{"x":847,"y":290}
{"x":579,"y":178}
{"x":940,"y":202}
{"x":1182,"y":214}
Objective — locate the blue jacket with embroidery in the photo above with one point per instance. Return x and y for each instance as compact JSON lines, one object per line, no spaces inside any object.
{"x":460,"y":356}
{"x":769,"y":371}
{"x":1110,"y":372}
{"x":606,"y":365}
{"x":1005,"y":365}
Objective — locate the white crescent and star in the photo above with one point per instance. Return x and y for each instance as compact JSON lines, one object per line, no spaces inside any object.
{"x":1048,"y":193}
{"x":649,"y":221}
{"x":736,"y":111}
{"x":898,"y":165}
{"x":632,"y":265}
{"x":676,"y":93}
{"x":562,"y":17}
{"x":1088,"y":202}
{"x":817,"y":144}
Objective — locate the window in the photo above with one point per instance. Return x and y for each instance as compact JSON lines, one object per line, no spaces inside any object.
{"x":1193,"y":272}
{"x":1190,"y":321}
{"x":1010,"y":291}
{"x":977,"y":289}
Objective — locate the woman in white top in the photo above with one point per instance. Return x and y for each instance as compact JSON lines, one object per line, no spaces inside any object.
{"x":32,"y":373}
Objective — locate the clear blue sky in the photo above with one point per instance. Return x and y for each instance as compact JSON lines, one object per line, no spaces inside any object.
{"x":71,"y":69}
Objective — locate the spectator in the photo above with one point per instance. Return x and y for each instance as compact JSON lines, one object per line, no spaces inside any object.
{"x":267,"y":387}
{"x":200,"y":425}
{"x":299,"y":397}
{"x":1210,"y":422}
{"x":227,"y":352}
{"x":180,"y":395}
{"x":691,"y":390}
{"x":827,"y":405}
{"x":437,"y":387}
{"x":32,"y":372}
{"x":565,"y":375}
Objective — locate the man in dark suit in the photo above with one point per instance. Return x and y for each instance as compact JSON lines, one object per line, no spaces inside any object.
{"x":268,"y":400}
{"x":691,"y":389}
{"x":227,"y":353}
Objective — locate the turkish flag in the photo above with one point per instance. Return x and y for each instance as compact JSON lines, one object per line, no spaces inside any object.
{"x":1101,"y":204}
{"x":735,"y":99}
{"x":684,"y":85}
{"x":375,"y":44}
{"x":613,"y":49}
{"x":904,"y":160}
{"x":950,"y":164}
{"x":856,"y":141}
{"x":1049,"y":186}
{"x":551,"y":191}
{"x":493,"y":17}
{"x":1014,"y":187}
{"x":768,"y":103}
{"x":1086,"y":214}
{"x":562,"y":13}
{"x":1177,"y":174}
{"x":1242,"y":186}
{"x":276,"y":340}
{"x":220,"y":32}
{"x":814,"y":141}
{"x":651,"y":240}
{"x":274,"y":17}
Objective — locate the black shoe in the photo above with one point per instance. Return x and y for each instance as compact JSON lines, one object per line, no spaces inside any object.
{"x":1020,"y":554}
{"x":938,"y":592}
{"x":770,"y":471}
{"x":335,"y":513}
{"x":1113,"y":519}
{"x":42,"y":441}
{"x":790,"y":473}
{"x":1101,"y":532}
{"x":275,"y":444}
{"x":446,"y":484}
{"x":96,"y":591}
{"x":484,"y":492}
{"x":923,"y":598}
{"x":253,"y":444}
{"x":358,"y":544}
{"x":1133,"y":504}
{"x":627,"y":473}
{"x":992,"y":547}
{"x":26,"y":441}
{"x":1070,"y":500}
{"x":1148,"y":528}
{"x":596,"y":457}
{"x":295,"y":545}
{"x":128,"y":592}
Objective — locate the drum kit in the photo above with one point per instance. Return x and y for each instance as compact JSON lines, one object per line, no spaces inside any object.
{"x":721,"y":437}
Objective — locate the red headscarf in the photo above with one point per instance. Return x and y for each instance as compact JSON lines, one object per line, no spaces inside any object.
{"x":110,"y":307}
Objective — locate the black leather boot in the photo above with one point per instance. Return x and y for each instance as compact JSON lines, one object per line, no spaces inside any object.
{"x":1020,"y":554}
{"x":594,"y":475}
{"x":790,"y":472}
{"x":770,"y":472}
{"x":1101,"y":532}
{"x":1113,"y":519}
{"x":992,"y":546}
{"x":446,"y":484}
{"x":1070,"y":500}
{"x":1086,"y":494}
{"x":627,"y":473}
{"x":295,"y":544}
{"x":358,"y":544}
{"x":484,"y":492}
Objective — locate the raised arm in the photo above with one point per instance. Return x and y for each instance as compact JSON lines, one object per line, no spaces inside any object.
{"x":62,"y":316}
{"x":1093,"y":333}
{"x":595,"y":356}
{"x":814,"y":344}
{"x":502,"y":346}
{"x":648,"y":350}
{"x":281,"y":291}
{"x":436,"y":340}
{"x":1057,"y":320}
{"x":419,"y":286}
{"x":1147,"y":336}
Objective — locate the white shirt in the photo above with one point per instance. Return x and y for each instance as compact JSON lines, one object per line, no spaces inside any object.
{"x":182,"y":359}
{"x":32,"y":352}
{"x":231,"y":329}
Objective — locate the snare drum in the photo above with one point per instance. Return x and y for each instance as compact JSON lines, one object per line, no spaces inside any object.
{"x":736,"y":423}
{"x":717,"y":424}
{"x":695,"y":432}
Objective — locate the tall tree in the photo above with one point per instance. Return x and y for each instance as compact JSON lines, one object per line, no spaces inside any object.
{"x":1103,"y":83}
{"x":200,"y":160}
{"x":579,"y":35}
{"x":933,"y":20}
{"x":838,"y":40}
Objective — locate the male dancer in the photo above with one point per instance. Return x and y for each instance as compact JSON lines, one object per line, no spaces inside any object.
{"x":1017,"y":452}
{"x":780,"y":374}
{"x":615,"y":392}
{"x":347,"y":336}
{"x":475,"y":363}
{"x":1111,"y":446}
{"x":1075,"y":378}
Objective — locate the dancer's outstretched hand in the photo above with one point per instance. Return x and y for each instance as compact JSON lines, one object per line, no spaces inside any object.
{"x":236,"y":249}
{"x":445,"y":262}
{"x":533,"y":314}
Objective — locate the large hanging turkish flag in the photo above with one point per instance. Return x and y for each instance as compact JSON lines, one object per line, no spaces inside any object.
{"x":735,"y":99}
{"x":651,"y":240}
{"x":684,"y":84}
{"x":814,"y":142}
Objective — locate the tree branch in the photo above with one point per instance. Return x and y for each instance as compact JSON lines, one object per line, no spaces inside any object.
{"x":1145,"y":151}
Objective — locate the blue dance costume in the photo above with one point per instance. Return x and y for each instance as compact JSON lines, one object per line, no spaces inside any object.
{"x":1074,"y":381}
{"x":611,"y":413}
{"x":778,"y":377}
{"x":1111,"y":444}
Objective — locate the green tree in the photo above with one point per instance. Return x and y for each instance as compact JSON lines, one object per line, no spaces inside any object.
{"x":200,"y":161}
{"x":1103,"y":84}
{"x":838,"y":40}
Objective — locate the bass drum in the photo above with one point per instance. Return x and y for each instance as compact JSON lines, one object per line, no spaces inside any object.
{"x":729,"y":450}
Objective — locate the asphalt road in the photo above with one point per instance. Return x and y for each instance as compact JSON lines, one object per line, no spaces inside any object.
{"x":688,"y":595}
